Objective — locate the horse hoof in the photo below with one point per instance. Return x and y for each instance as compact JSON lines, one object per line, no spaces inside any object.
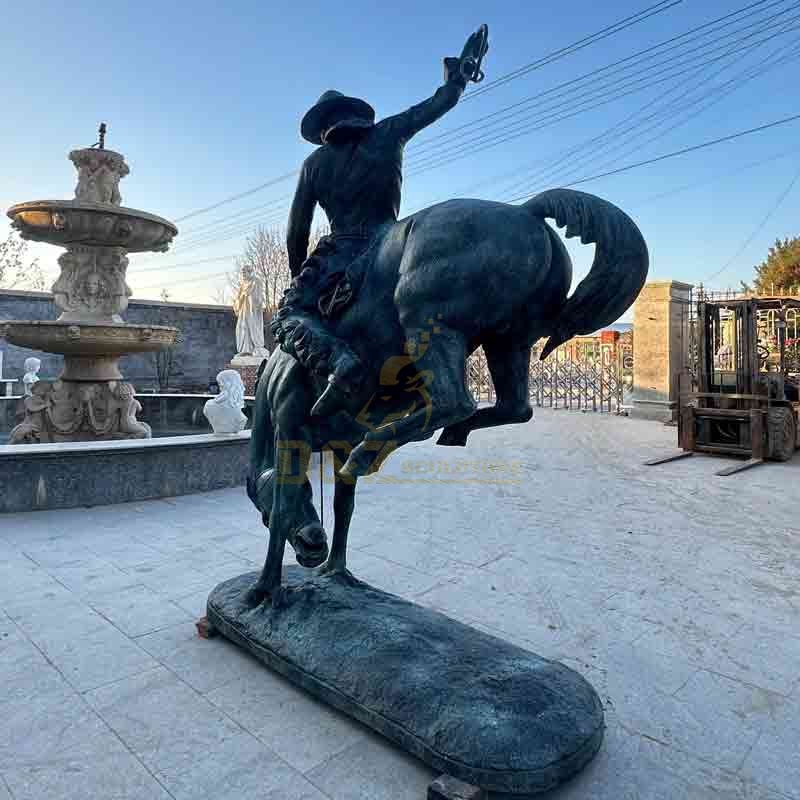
{"x":453,"y":437}
{"x":310,"y":545}
{"x":332,"y":568}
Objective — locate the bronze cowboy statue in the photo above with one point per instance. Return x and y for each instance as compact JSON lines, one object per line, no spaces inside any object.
{"x":356,"y":177}
{"x":378,"y":323}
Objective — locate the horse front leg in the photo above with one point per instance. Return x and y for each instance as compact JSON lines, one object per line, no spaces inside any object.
{"x":292,"y":517}
{"x":344,"y":498}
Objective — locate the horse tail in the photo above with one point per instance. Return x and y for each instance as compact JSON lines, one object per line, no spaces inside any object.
{"x":620,"y":262}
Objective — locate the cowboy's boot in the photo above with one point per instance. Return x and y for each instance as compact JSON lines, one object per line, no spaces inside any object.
{"x":343,"y":381}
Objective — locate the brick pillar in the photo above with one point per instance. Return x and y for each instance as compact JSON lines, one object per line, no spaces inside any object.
{"x":660,"y":348}
{"x":247,"y":367}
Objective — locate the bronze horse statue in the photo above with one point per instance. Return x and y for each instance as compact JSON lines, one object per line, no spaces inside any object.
{"x":431,"y":289}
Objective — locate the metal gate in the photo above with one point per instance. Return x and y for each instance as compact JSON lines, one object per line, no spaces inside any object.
{"x":562,"y":381}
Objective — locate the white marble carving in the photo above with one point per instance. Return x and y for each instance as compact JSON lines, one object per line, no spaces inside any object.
{"x":224,"y":411}
{"x":92,"y":284}
{"x":99,"y":173}
{"x":31,"y":376}
{"x":248,"y":306}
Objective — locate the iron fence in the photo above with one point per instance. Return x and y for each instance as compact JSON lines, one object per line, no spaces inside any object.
{"x":563,"y":381}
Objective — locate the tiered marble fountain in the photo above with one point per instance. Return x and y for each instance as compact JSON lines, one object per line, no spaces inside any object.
{"x":90,"y":400}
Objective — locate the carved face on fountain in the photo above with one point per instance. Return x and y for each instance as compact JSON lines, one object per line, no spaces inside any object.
{"x":94,"y":291}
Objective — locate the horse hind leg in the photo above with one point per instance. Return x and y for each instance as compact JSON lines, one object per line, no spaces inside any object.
{"x":343,"y":505}
{"x":440,"y":387}
{"x":509,"y":365}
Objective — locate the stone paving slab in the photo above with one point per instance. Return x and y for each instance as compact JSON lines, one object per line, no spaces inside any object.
{"x":672,"y":590}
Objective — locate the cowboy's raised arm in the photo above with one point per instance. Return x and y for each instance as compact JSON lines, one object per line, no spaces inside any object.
{"x":456,"y":73}
{"x":300,"y":218}
{"x":412,"y":121}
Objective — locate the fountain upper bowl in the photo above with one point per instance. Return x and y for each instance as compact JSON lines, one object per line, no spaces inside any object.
{"x":87,"y":338}
{"x":73,"y":222}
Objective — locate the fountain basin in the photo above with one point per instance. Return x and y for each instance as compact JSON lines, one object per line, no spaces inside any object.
{"x":76,"y":222}
{"x":87,"y":339}
{"x":38,"y":477}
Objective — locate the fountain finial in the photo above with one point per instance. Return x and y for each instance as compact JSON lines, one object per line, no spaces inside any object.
{"x":102,"y":132}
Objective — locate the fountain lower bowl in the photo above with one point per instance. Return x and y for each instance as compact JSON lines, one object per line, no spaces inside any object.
{"x":88,"y":339}
{"x":72,"y":222}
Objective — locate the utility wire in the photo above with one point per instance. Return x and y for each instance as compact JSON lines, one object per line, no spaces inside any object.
{"x":239,"y":226}
{"x":242,"y":225}
{"x":634,"y":19}
{"x":205,"y":235}
{"x":137,"y":272}
{"x":544,"y":118}
{"x":673,"y":154}
{"x":681,"y":103}
{"x":259,"y":208}
{"x":278,"y":206}
{"x":195,"y":279}
{"x":748,"y":241}
{"x":604,"y":33}
{"x":285,"y":177}
{"x":654,"y":198}
{"x":649,"y":52}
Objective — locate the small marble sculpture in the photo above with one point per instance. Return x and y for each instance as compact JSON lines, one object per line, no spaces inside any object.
{"x":31,"y":376}
{"x":224,"y":411}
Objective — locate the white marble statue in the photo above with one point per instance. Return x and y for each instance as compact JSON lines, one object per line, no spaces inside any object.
{"x":249,"y":308}
{"x":224,"y":411}
{"x":31,"y":376}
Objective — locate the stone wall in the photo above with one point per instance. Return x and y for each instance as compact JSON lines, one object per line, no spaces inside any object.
{"x":208,"y":340}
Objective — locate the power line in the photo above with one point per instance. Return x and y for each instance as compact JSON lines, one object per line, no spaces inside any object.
{"x":544,"y":118}
{"x":673,"y":154}
{"x":634,"y":19}
{"x":713,"y":96}
{"x":194,"y":279}
{"x":227,"y":232}
{"x":652,"y":198}
{"x":547,"y":165}
{"x":604,"y":33}
{"x":708,"y":181}
{"x":240,"y":195}
{"x":237,"y":219}
{"x":649,"y":51}
{"x":261,"y":207}
{"x":240,"y":226}
{"x":184,"y":264}
{"x":748,"y":241}
{"x":206,"y":235}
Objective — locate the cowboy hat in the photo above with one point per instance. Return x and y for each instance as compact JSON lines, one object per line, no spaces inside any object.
{"x":334,"y":107}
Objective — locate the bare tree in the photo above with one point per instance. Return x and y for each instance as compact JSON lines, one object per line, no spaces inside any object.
{"x":16,"y":272}
{"x":265,"y":252}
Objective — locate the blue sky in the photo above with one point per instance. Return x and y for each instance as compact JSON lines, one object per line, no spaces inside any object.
{"x":204,"y":99}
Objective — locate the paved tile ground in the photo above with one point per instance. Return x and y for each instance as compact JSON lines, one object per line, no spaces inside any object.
{"x":674,"y":591}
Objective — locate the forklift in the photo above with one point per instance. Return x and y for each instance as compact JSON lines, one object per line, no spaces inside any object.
{"x":746,"y":403}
